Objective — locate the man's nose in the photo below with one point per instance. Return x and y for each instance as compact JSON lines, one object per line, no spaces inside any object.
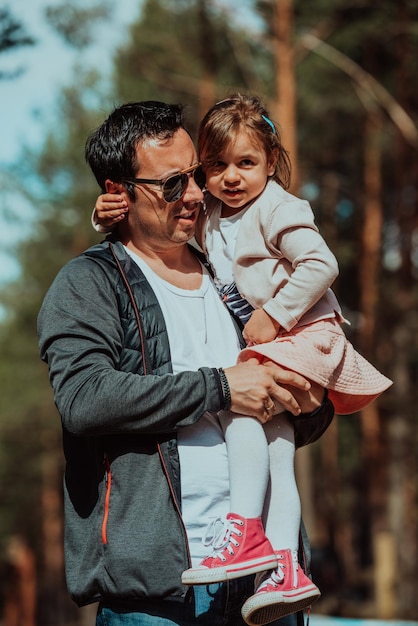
{"x":193,"y":192}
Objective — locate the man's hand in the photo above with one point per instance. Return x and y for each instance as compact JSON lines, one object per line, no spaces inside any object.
{"x":308,"y":400}
{"x":256,"y":388}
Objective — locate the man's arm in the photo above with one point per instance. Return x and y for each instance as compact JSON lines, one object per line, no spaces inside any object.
{"x":81,"y":338}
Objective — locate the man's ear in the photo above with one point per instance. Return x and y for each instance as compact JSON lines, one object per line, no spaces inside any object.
{"x":112,"y":187}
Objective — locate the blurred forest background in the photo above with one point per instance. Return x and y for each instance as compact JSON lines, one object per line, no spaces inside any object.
{"x":341,"y":79}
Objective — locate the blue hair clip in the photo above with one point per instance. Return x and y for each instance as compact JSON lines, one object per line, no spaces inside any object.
{"x":270,"y":123}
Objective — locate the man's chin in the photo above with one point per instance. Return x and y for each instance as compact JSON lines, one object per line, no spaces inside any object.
{"x":184,"y":236}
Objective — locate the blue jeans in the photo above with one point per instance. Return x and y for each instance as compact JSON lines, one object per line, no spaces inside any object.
{"x":213,"y":605}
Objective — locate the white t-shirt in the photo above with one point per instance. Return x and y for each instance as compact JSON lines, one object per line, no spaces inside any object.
{"x":220,"y":239}
{"x":201,"y":333}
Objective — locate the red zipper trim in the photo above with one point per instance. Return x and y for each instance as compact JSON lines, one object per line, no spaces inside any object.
{"x":107,"y":499}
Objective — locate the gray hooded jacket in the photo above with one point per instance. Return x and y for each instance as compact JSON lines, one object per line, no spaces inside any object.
{"x":100,"y":330}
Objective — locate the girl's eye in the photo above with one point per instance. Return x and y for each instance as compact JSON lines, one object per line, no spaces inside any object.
{"x":246,"y":163}
{"x":218,"y":166}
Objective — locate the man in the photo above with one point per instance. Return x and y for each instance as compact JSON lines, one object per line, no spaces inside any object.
{"x":136,"y":339}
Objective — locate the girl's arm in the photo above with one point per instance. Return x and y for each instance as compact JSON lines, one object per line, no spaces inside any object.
{"x":110,"y":209}
{"x":292,"y":270}
{"x":311,"y":269}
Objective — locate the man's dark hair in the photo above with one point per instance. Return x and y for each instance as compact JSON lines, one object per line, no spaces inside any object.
{"x":111,"y":149}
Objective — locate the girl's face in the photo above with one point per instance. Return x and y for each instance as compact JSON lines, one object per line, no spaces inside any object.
{"x":240,"y":174}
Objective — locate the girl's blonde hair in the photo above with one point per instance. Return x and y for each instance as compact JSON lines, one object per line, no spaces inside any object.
{"x":227,"y":118}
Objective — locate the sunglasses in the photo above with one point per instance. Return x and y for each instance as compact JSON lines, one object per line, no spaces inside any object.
{"x":175,"y":185}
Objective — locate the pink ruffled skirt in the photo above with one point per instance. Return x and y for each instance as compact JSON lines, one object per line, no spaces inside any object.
{"x":322,"y":353}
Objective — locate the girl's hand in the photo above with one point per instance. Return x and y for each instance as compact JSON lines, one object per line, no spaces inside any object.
{"x":260,"y":328}
{"x":109,"y":210}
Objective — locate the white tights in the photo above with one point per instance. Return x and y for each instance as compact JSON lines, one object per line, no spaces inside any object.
{"x":261,"y":474}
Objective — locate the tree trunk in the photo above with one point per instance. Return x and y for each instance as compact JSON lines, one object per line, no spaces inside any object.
{"x":20,"y":592}
{"x":402,"y":462}
{"x":285,"y":109}
{"x":55,"y":605}
{"x":375,"y":451}
{"x":207,"y":84}
{"x":402,"y":426}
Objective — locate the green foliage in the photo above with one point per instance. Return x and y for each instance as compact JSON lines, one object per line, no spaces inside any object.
{"x":12,"y":33}
{"x":12,"y":36}
{"x":158,"y":63}
{"x":76,"y":24}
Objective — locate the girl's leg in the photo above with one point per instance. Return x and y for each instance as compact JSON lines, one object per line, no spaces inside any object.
{"x":248,"y":459}
{"x":286,"y":590}
{"x":282,"y":505}
{"x":239,"y":546}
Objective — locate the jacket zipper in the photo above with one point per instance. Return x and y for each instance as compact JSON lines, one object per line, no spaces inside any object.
{"x":108,"y":481}
{"x":147,"y":368}
{"x":173,"y":495}
{"x":145,"y":354}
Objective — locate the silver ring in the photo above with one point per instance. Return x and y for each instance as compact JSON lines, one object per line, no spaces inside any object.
{"x":269,"y":408}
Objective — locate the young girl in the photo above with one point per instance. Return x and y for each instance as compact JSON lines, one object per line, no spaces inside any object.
{"x":274,"y":271}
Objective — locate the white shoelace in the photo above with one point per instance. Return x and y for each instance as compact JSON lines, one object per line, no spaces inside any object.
{"x":277,"y":576}
{"x":221,"y":538}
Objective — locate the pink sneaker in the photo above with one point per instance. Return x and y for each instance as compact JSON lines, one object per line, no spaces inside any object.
{"x":287,"y":590}
{"x":240,"y":548}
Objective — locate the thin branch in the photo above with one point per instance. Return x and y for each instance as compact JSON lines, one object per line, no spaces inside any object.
{"x":368,"y":84}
